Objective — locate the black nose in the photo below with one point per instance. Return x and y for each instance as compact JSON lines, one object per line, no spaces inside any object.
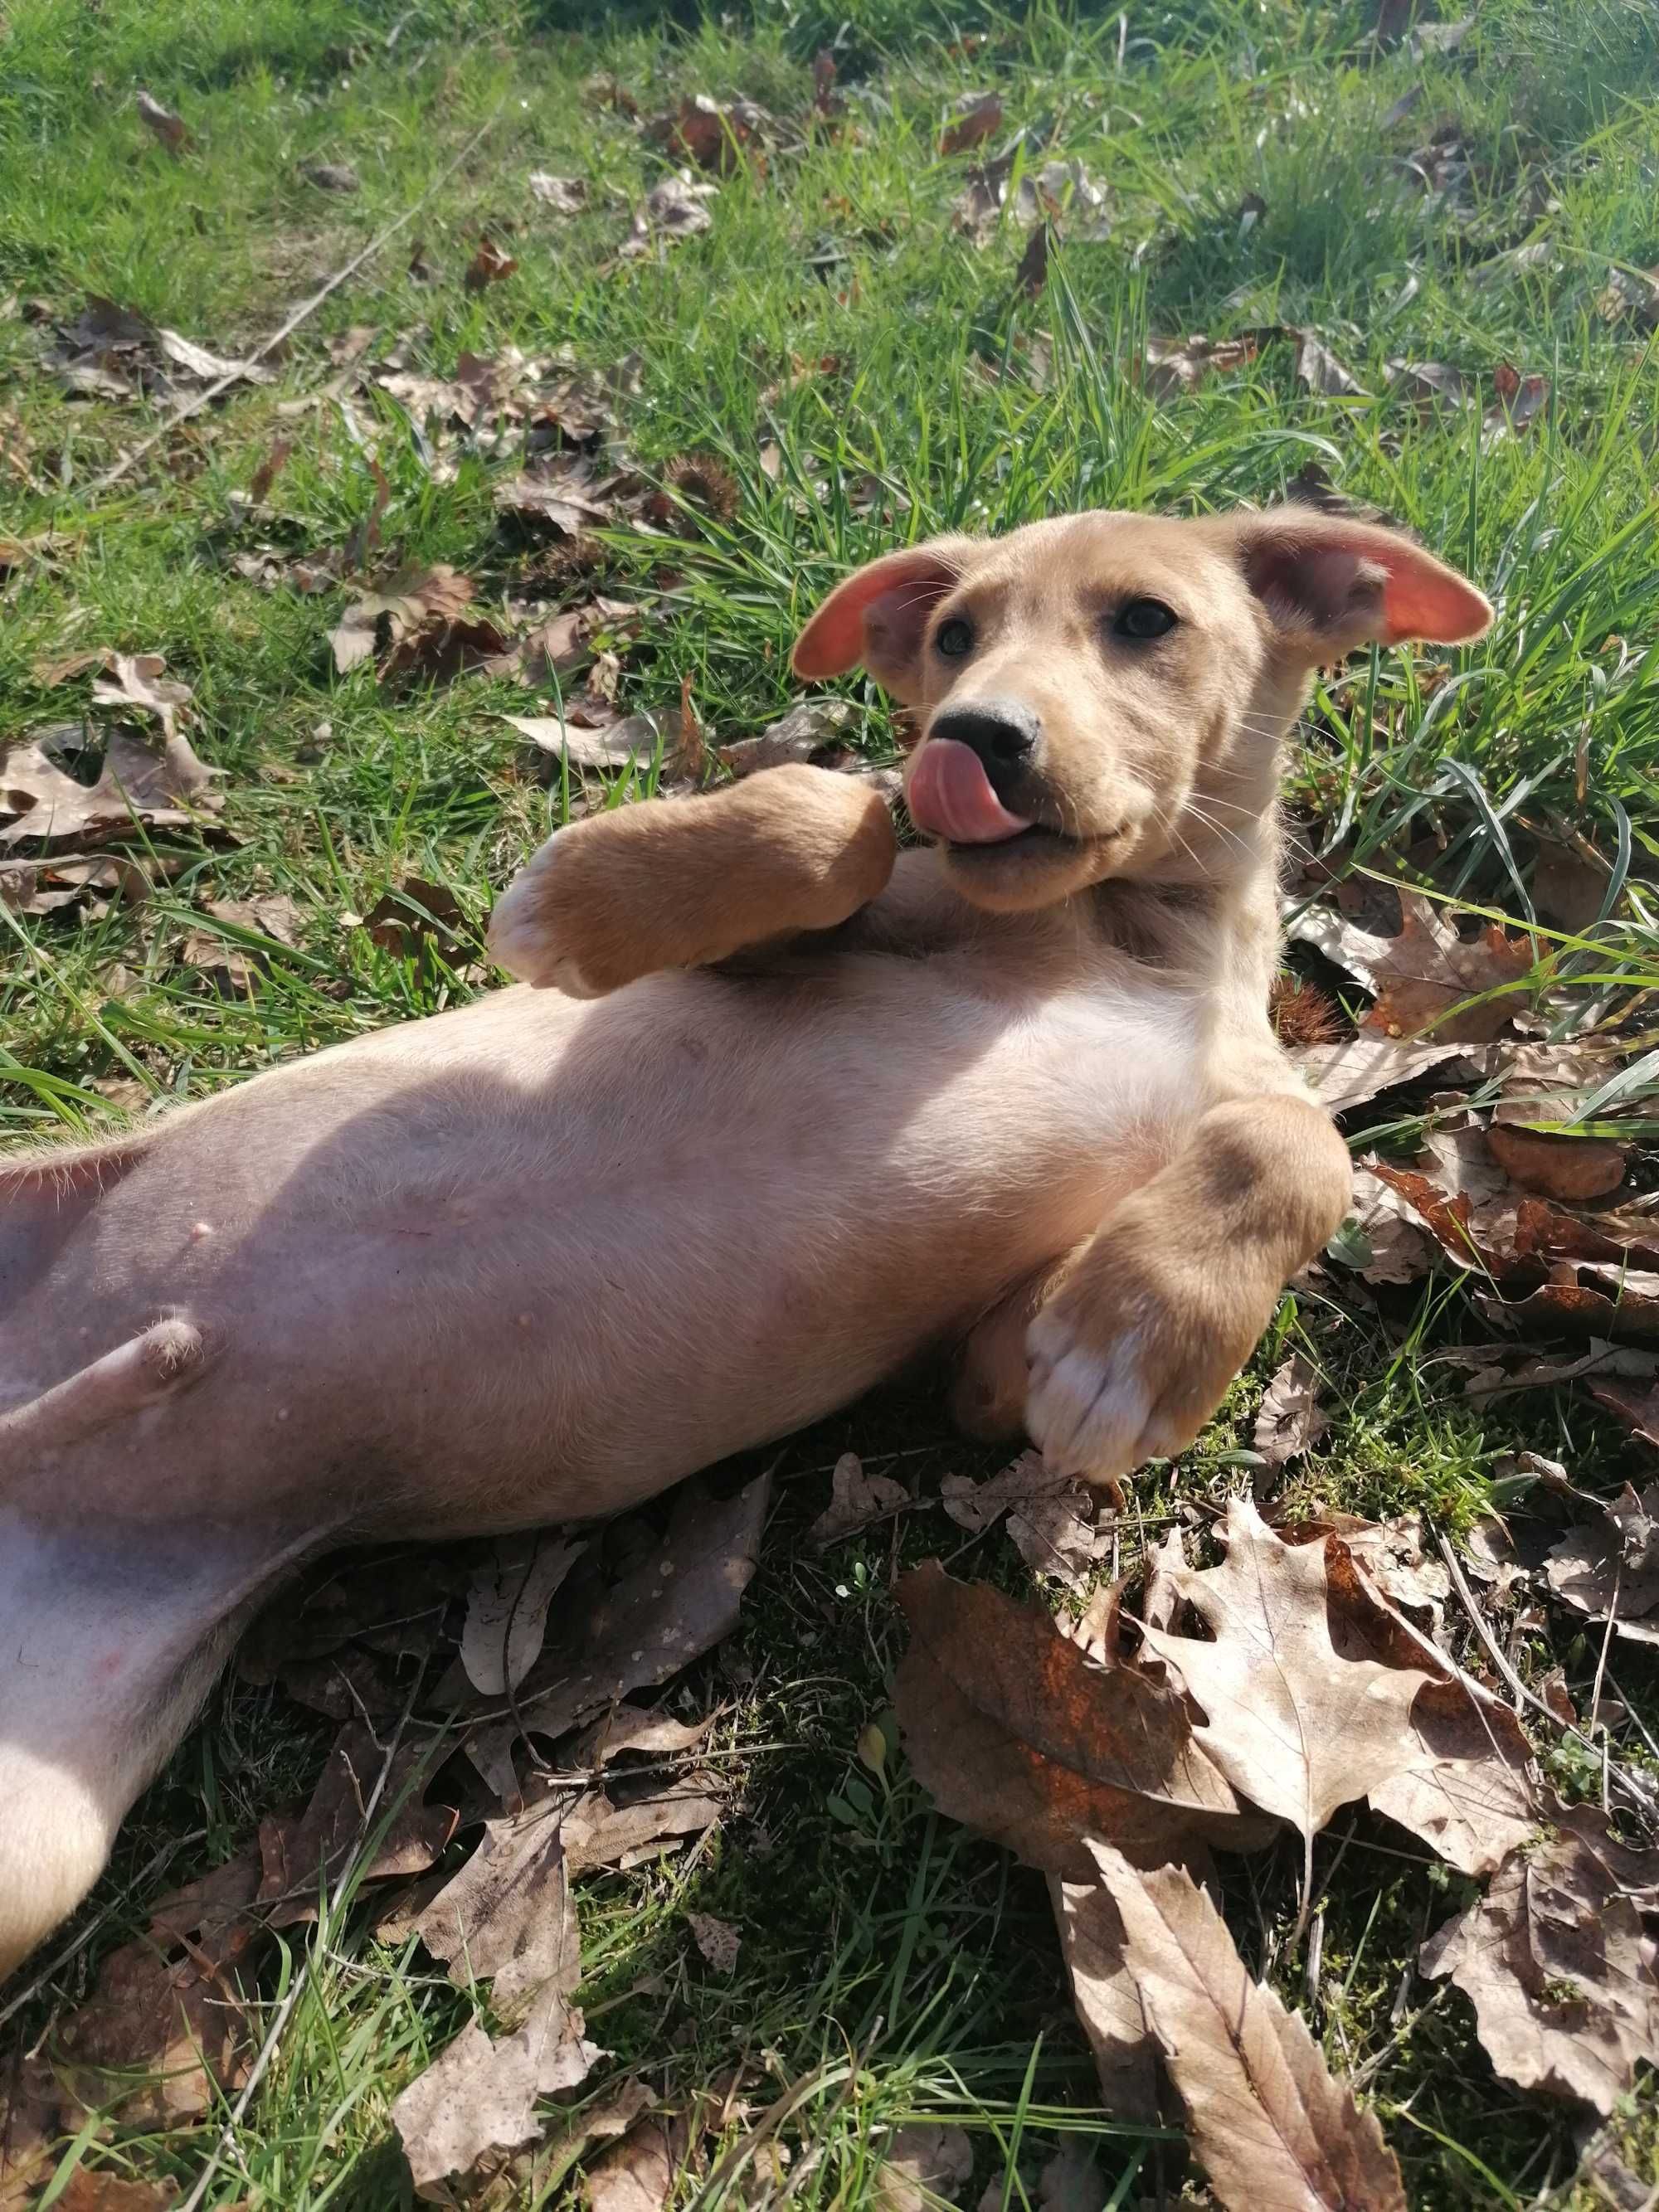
{"x":1004,"y":733}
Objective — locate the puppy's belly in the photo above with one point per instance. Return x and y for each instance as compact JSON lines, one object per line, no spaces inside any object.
{"x":536,"y":1258}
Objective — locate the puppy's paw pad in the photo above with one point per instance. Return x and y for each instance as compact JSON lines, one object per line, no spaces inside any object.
{"x":526,"y":934}
{"x":1086,"y":1406}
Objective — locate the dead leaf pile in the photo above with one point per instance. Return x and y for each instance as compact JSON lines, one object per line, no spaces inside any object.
{"x":71,"y":790}
{"x":111,"y":352}
{"x":1423,"y":975}
{"x":716,"y":135}
{"x":1257,"y":1695}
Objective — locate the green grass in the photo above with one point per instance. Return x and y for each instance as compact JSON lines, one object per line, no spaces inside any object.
{"x":912,"y":1966}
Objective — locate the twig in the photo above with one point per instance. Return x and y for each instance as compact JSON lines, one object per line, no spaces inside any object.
{"x":302,"y":313}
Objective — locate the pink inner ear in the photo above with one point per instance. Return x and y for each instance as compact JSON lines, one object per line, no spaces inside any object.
{"x":1424,"y":598}
{"x":1331,"y":577}
{"x":892,"y":597}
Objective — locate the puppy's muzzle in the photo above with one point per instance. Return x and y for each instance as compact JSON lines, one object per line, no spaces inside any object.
{"x":966,"y":779}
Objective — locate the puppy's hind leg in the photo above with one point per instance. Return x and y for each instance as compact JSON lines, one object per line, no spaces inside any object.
{"x":110,"y":1639}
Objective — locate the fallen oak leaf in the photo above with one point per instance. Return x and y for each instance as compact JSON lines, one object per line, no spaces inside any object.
{"x":1554,"y":1957}
{"x":1571,"y":1168}
{"x":332,"y":176}
{"x":137,"y":789}
{"x":638,"y":2174}
{"x":974,"y":118}
{"x":138,"y":681}
{"x":715,"y":135}
{"x":1294,"y":1726}
{"x":675,"y":208}
{"x":507,"y":1612}
{"x":630,"y":742}
{"x":168,"y":127}
{"x":1319,"y":370}
{"x":856,"y":1499}
{"x":920,"y":2166}
{"x":1610,"y":1568}
{"x":98,"y":2190}
{"x":480,"y":2097}
{"x":1052,"y":1517}
{"x":1094,"y":1944}
{"x":1269,"y":2124}
{"x":1360,"y":1068}
{"x":1422,"y":976}
{"x":487,"y":266}
{"x":718,"y":1941}
{"x":1290,"y":1421}
{"x":1011,"y":1729}
{"x":564,"y":195}
{"x":508,"y":1917}
{"x":1170,"y":365}
{"x":302,"y":1858}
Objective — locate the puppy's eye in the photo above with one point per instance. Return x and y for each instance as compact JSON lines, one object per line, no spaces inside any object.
{"x":956,"y":638}
{"x":1145,"y":618}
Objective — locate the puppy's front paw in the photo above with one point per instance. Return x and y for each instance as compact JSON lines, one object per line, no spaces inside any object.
{"x":1132,"y":1355}
{"x":536,"y":931}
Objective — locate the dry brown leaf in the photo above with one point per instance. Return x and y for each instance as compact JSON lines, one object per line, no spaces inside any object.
{"x":1359,"y":1069}
{"x":332,"y":176}
{"x":1109,"y":2004}
{"x":675,"y":208}
{"x":1611,"y":1566}
{"x":480,"y":2097}
{"x":715,"y":135}
{"x":233,"y":966}
{"x":139,"y":788}
{"x":630,"y":1727}
{"x":638,"y":2173}
{"x":599,"y":1833}
{"x":139,"y":681}
{"x":1290,"y":1421}
{"x":1269,"y":2124}
{"x":718,"y":1941}
{"x":564,"y":195}
{"x":302,"y":1858}
{"x":99,"y":2190}
{"x":418,"y":625}
{"x":487,"y":266}
{"x":1051,"y":1519}
{"x":508,"y":1917}
{"x":1032,"y":273}
{"x":855,"y":1499}
{"x":167,"y":2011}
{"x":1563,"y":1975}
{"x":416,"y":914}
{"x":1631,"y":296}
{"x":204,"y":366}
{"x":1012,"y":1730}
{"x":567,"y":499}
{"x":1423,"y":973}
{"x":921,"y":2165}
{"x":1571,"y":1168}
{"x":506,"y":1610}
{"x":681,"y":1599}
{"x":1176,"y":365}
{"x":975,"y":118}
{"x":1295,"y":1726}
{"x":1318,"y":369}
{"x":168,"y":127}
{"x":815,"y":731}
{"x":1521,"y":399}
{"x":629,"y":743}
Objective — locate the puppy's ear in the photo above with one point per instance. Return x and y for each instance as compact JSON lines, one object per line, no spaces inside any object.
{"x":1331,"y":584}
{"x":877,"y":616}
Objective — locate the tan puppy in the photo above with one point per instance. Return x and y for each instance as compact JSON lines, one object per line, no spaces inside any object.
{"x":1101,"y":699}
{"x":802,"y":1107}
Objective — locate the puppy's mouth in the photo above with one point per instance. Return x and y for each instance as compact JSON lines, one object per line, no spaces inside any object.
{"x":951,"y":798}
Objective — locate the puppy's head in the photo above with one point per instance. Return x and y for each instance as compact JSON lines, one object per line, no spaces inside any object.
{"x":1104,"y":694}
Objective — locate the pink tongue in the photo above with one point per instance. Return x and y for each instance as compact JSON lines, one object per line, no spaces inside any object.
{"x":949,"y":796}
